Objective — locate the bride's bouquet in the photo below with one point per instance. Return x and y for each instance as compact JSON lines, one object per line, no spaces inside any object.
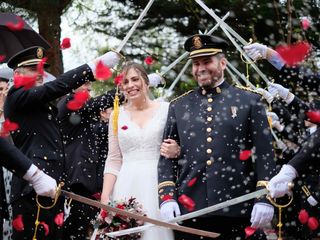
{"x":107,"y":222}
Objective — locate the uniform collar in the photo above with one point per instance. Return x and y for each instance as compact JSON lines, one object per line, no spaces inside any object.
{"x":214,"y":90}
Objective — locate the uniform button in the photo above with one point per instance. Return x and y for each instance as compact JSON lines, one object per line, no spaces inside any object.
{"x":209,"y":139}
{"x":209,"y":130}
{"x":210,"y":100}
{"x":209,"y":151}
{"x":218,"y":90}
{"x":203,"y":92}
{"x":209,"y":119}
{"x":45,"y":158}
{"x":209,"y":109}
{"x":209,"y":162}
{"x":50,"y":108}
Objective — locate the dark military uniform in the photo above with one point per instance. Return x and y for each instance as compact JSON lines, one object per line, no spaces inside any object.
{"x":84,"y":173}
{"x":212,"y":127}
{"x":40,"y":138}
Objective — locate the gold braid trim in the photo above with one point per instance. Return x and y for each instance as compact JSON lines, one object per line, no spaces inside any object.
{"x":166,"y":184}
{"x":182,"y":95}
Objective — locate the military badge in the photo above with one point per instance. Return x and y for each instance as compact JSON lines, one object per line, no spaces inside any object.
{"x":197,"y":42}
{"x":218,"y":90}
{"x":234,"y":111}
{"x":39,"y":53}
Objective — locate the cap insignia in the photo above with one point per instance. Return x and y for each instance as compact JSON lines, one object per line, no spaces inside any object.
{"x":197,"y":42}
{"x":39,"y":53}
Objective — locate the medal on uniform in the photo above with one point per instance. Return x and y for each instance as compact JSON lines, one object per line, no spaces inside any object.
{"x":311,"y":200}
{"x":234,"y":111}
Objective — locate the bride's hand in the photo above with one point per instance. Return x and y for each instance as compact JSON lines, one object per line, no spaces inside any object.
{"x":170,"y":149}
{"x":104,"y":199}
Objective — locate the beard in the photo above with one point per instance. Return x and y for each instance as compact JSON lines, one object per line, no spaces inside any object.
{"x":209,"y":79}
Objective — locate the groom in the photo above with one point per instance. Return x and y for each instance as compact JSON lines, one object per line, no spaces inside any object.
{"x":215,"y":125}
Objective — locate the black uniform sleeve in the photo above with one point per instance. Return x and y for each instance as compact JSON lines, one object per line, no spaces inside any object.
{"x":167,"y":168}
{"x":21,"y":98}
{"x":12,"y":159}
{"x":302,"y":160}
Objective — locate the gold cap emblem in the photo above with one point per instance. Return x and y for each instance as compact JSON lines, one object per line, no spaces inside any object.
{"x":197,"y":42}
{"x":39,"y":53}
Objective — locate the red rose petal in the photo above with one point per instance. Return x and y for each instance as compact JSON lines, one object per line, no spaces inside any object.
{"x":2,"y":57}
{"x":81,"y":96}
{"x":118,"y":79}
{"x":249,"y":231}
{"x":97,"y":195}
{"x":294,"y":54}
{"x":305,"y":23}
{"x":46,"y":228}
{"x":74,"y":105}
{"x":40,"y":66}
{"x":187,"y":202}
{"x":245,"y":155}
{"x":303,"y":216}
{"x":314,"y":116}
{"x":124,"y":127}
{"x":192,"y":182}
{"x":16,"y":27}
{"x":148,"y":60}
{"x":17,"y":223}
{"x":313,"y":223}
{"x":102,"y":72}
{"x":26,"y":82}
{"x":66,"y":43}
{"x":58,"y":219}
{"x":166,"y":198}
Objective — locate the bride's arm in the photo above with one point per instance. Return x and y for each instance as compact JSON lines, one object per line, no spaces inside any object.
{"x":113,"y":164}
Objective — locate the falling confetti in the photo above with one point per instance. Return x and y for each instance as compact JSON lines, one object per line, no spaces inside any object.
{"x":303,"y":216}
{"x":187,"y":202}
{"x":2,"y":58}
{"x":46,"y":228}
{"x":118,"y":79}
{"x":148,"y":60}
{"x":313,"y":223}
{"x":26,"y":82}
{"x":17,"y":223}
{"x":58,"y":220}
{"x":66,"y":43}
{"x":295,"y":53}
{"x":314,"y":116}
{"x":192,"y":182}
{"x":102,"y":72}
{"x":16,"y":27}
{"x":245,"y":155}
{"x":249,"y":231}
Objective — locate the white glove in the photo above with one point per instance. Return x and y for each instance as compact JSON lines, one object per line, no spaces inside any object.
{"x":262,"y":214}
{"x":275,"y":121}
{"x":275,"y":89}
{"x":266,"y":95}
{"x":155,"y":79}
{"x":278,"y":185}
{"x":281,"y":145}
{"x":42,"y":183}
{"x":110,"y":59}
{"x":169,"y":210}
{"x":256,"y":51}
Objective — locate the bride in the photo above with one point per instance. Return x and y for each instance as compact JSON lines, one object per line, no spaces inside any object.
{"x":131,"y":166}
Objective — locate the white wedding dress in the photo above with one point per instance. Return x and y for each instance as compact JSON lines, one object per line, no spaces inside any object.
{"x":138,"y":176}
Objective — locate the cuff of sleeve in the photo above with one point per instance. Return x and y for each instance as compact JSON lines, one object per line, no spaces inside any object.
{"x":276,"y":61}
{"x":31,"y":171}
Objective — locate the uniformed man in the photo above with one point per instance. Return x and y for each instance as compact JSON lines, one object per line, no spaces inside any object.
{"x":39,"y":135}
{"x":214,"y":124}
{"x":12,"y":159}
{"x":84,"y":168}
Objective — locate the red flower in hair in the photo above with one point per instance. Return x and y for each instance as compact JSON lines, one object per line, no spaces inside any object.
{"x":17,"y":223}
{"x":102,"y":72}
{"x":58,"y":219}
{"x":2,"y":57}
{"x":187,"y":202}
{"x":249,"y":231}
{"x":294,"y":54}
{"x":46,"y":228}
{"x":148,"y":60}
{"x":16,"y":27}
{"x":118,"y":79}
{"x":66,"y":43}
{"x":245,"y":154}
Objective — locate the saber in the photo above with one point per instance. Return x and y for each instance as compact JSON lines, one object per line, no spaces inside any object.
{"x":226,"y":29}
{"x":228,"y":203}
{"x":138,"y":217}
{"x":183,"y":56}
{"x":133,"y":28}
{"x":233,"y":68}
{"x":233,"y":77}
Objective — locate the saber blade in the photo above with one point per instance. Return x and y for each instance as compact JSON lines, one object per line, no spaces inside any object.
{"x":97,"y":204}
{"x":216,"y":207}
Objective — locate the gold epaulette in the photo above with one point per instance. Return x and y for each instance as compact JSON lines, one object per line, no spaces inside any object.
{"x":247,"y":89}
{"x":182,"y":95}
